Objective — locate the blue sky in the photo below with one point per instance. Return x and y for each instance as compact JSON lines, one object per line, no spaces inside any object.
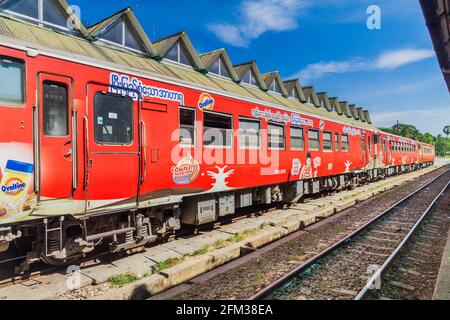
{"x":392,"y":71}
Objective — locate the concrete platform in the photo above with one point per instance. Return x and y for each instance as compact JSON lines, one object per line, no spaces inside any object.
{"x":442,"y":291}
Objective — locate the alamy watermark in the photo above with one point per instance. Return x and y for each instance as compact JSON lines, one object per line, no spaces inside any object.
{"x":374,"y":19}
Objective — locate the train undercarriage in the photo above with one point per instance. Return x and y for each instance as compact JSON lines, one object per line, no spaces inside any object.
{"x":65,"y":240}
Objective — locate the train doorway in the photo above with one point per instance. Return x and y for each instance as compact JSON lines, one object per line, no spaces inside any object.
{"x":55,"y":169}
{"x":111,"y":132}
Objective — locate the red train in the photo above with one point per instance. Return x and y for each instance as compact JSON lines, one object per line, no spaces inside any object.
{"x":106,"y":137}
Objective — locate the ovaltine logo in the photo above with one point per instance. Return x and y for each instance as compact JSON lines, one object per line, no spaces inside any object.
{"x":13,"y":186}
{"x":206,"y":102}
{"x":185,"y":171}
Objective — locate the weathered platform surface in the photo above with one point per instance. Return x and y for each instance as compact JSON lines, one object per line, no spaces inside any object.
{"x":443,"y":283}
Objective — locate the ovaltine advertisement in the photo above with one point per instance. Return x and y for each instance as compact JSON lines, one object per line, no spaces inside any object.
{"x":17,"y":198}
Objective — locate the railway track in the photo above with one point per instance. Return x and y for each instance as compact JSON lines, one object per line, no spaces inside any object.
{"x":413,"y":273}
{"x":349,"y":268}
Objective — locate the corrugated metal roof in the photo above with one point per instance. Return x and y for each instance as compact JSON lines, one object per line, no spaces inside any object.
{"x":42,"y":38}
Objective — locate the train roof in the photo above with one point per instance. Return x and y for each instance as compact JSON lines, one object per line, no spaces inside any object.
{"x":89,"y":50}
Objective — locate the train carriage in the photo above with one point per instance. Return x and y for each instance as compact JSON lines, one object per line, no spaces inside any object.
{"x":102,"y":143}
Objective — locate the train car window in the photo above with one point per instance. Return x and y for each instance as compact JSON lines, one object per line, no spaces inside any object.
{"x":249,"y":134}
{"x":384,"y":145}
{"x":187,"y":127}
{"x":55,"y":109}
{"x":337,"y":146}
{"x":313,"y":139}
{"x":113,"y":119}
{"x":345,"y":143}
{"x":297,"y":138}
{"x":218,"y":130}
{"x":327,"y":141}
{"x":369,"y":142}
{"x":12,"y":88}
{"x":277,"y":137}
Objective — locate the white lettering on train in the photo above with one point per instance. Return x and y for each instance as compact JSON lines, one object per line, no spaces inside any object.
{"x":132,"y":87}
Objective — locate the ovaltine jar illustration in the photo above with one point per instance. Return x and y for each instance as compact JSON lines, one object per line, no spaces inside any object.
{"x":14,"y":187}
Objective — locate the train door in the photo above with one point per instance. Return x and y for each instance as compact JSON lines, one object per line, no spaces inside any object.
{"x":55,"y":170}
{"x":112,"y":150}
{"x":363,"y":150}
{"x":156,"y":143}
{"x":385,"y":152}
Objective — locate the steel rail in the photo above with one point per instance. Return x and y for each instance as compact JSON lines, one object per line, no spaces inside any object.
{"x":377,"y":275}
{"x":264,"y":293}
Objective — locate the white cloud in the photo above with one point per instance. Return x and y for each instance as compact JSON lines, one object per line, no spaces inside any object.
{"x":258,"y":17}
{"x":393,"y":59}
{"x":317,"y":70}
{"x":388,"y":60}
{"x":426,"y":118}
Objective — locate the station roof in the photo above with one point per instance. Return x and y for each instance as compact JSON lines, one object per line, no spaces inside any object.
{"x":437,"y":17}
{"x":86,"y":48}
{"x":210,"y":58}
{"x":324,"y":101}
{"x":270,"y":77}
{"x":131,"y":22}
{"x":295,"y":85}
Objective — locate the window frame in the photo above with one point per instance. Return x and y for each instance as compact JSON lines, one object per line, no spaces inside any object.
{"x":132,"y":121}
{"x":347,"y":143}
{"x":268,"y":135}
{"x":61,"y":84}
{"x":195,"y":127}
{"x":231,"y":129}
{"x":318,"y":139}
{"x":337,"y":142}
{"x":331,"y":141}
{"x":303,"y":137}
{"x":222,"y":66}
{"x":259,"y":133}
{"x":23,"y":82}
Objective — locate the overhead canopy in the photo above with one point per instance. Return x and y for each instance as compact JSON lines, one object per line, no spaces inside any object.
{"x":124,"y":30}
{"x":437,"y":17}
{"x":179,"y":48}
{"x":294,"y":89}
{"x":274,"y":83}
{"x":250,"y":71}
{"x":218,"y":62}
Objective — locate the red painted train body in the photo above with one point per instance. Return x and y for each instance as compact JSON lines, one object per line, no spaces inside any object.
{"x":93,"y":151}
